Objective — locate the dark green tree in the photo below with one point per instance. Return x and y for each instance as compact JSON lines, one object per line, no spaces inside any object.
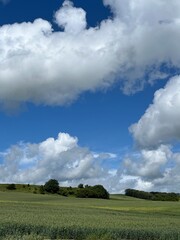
{"x":11,"y":186}
{"x":101,"y":192}
{"x":51,"y":186}
{"x":156,"y":196}
{"x":80,"y":185}
{"x":41,"y":189}
{"x":97,"y":191}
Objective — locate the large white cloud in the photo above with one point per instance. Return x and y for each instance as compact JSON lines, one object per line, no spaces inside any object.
{"x":43,"y":66}
{"x":150,"y":170}
{"x":144,"y":12}
{"x":158,"y":162}
{"x":149,"y":164}
{"x":160,"y":124}
{"x":64,"y":160}
{"x":171,"y":178}
{"x":61,"y":158}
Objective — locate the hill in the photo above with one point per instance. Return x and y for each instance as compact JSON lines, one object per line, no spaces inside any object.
{"x":97,"y":191}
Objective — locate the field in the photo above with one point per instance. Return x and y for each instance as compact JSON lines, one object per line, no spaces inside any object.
{"x":35,"y":216}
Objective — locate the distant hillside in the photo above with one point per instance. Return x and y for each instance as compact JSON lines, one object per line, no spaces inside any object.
{"x":26,"y":188}
{"x":52,"y":187}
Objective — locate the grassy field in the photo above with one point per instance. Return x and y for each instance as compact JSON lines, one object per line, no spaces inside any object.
{"x":35,"y":216}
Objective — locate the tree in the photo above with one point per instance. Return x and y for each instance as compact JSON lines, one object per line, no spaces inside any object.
{"x":41,"y":189}
{"x":80,"y":185}
{"x":101,"y":192}
{"x":155,"y":196}
{"x":11,"y":186}
{"x":97,"y":191}
{"x":51,"y":186}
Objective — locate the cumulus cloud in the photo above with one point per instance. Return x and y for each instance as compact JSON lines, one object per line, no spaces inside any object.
{"x":50,"y":67}
{"x":151,"y":170}
{"x":71,"y":19}
{"x":147,"y":12}
{"x":61,"y":158}
{"x":171,"y":178}
{"x":149,"y":163}
{"x":157,"y":162}
{"x":160,"y":124}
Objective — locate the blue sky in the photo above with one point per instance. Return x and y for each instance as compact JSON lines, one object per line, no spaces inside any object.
{"x":88,"y":70}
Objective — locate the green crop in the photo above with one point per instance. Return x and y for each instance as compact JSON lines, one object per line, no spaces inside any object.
{"x":34,"y":216}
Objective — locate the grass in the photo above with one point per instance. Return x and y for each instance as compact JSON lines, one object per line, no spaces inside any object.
{"x":25,"y":188}
{"x":36,"y":216}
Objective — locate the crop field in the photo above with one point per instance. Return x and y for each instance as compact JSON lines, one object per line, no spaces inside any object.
{"x":34,"y":216}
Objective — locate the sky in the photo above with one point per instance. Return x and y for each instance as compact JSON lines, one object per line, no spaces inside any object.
{"x":90,"y":93}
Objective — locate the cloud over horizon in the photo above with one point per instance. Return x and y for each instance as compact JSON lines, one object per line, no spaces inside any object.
{"x":136,"y":46}
{"x":155,"y":135}
{"x":48,"y":67}
{"x":61,"y":158}
{"x":151,"y":170}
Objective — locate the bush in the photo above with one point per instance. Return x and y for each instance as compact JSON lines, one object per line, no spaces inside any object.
{"x":41,"y":189}
{"x":11,"y":186}
{"x":51,"y":186}
{"x":97,"y":191}
{"x":63,"y":191}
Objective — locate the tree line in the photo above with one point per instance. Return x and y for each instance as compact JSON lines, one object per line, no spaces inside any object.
{"x":97,"y":191}
{"x":155,"y":196}
{"x":52,"y":187}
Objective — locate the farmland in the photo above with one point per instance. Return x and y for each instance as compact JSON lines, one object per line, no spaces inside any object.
{"x":35,"y":216}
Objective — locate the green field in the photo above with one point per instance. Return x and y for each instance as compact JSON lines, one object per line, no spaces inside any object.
{"x":36,"y":216}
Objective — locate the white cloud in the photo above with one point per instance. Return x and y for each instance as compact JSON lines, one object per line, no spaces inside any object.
{"x":71,"y":19}
{"x":144,"y":12}
{"x":171,"y":178}
{"x":157,"y":162}
{"x":160,"y":124}
{"x":149,"y":170}
{"x":61,"y":158}
{"x":42,"y":66}
{"x":64,"y":160}
{"x":149,"y":164}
